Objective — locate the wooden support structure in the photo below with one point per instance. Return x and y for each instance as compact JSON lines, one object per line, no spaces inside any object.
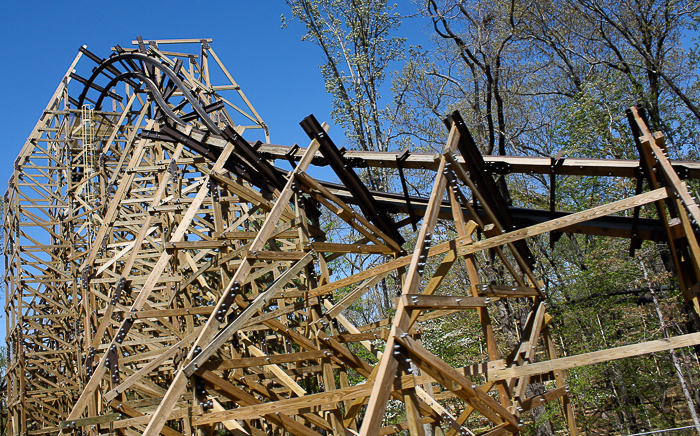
{"x":163,"y":277}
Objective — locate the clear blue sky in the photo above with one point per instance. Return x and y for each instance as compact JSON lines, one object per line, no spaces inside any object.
{"x":278,"y":72}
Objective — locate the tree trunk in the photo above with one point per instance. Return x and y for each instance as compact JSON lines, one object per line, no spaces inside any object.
{"x":676,"y":364}
{"x":543,"y":428}
{"x":674,"y":356}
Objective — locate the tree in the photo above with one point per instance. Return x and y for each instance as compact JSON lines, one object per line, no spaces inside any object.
{"x":357,"y":42}
{"x":641,"y":41}
{"x":536,"y":77}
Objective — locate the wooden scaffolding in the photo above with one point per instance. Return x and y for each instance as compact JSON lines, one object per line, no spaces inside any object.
{"x":164,"y":277}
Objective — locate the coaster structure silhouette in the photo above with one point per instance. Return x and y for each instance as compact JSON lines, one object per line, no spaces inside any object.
{"x":164,"y":276}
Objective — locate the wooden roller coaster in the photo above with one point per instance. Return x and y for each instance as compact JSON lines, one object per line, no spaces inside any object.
{"x":164,"y":277}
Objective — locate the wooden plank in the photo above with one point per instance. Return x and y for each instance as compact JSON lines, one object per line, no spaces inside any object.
{"x":507,"y":291}
{"x":135,"y":377}
{"x":143,"y":420}
{"x":249,"y":362}
{"x":194,"y":245}
{"x":133,"y":413}
{"x":515,"y":164}
{"x":212,"y":325}
{"x":91,"y":420}
{"x":538,"y":229}
{"x":174,"y":41}
{"x":468,"y":410}
{"x":308,"y":403}
{"x":274,"y":255}
{"x":456,"y":382}
{"x":347,"y":356}
{"x":257,"y":304}
{"x":349,"y":299}
{"x":540,"y":400}
{"x":597,"y":357}
{"x":418,"y":301}
{"x":388,"y":365}
{"x":496,"y":241}
{"x":245,"y":399}
{"x":351,"y":248}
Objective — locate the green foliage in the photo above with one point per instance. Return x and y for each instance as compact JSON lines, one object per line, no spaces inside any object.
{"x":358,"y":46}
{"x":532,"y":78}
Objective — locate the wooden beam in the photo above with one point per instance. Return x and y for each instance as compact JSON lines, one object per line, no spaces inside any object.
{"x":597,"y":357}
{"x":454,"y":381}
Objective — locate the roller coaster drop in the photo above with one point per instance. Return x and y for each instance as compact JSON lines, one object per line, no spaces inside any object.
{"x":163,"y":277}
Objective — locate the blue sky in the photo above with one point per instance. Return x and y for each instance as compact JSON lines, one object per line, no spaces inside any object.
{"x":278,"y":72}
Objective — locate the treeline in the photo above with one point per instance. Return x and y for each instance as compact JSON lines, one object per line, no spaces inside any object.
{"x":536,"y":78}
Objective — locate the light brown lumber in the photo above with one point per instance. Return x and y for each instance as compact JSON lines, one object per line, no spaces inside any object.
{"x":506,"y":291}
{"x":388,"y":365}
{"x":517,"y":164}
{"x":282,"y":377}
{"x":468,"y":410}
{"x":212,"y":326}
{"x":308,"y":403}
{"x":274,"y":255}
{"x":246,"y":399}
{"x":260,"y":301}
{"x":349,"y":299}
{"x":194,"y":245}
{"x":560,"y":378}
{"x":174,"y":41}
{"x":160,"y":313}
{"x":247,"y":362}
{"x":91,"y":420}
{"x":443,"y":302}
{"x":578,"y":217}
{"x":454,"y":381}
{"x":133,"y":413}
{"x":539,"y":400}
{"x":586,"y":215}
{"x":351,"y":248}
{"x":143,"y":420}
{"x":231,"y":425}
{"x":135,"y":377}
{"x":348,"y":357}
{"x":597,"y":356}
{"x":674,"y":182}
{"x":148,"y":286}
{"x":461,"y":243}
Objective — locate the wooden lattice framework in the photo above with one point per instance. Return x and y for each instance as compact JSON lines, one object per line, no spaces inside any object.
{"x":162,"y":277}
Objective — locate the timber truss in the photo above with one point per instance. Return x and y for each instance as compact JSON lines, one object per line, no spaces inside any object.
{"x":164,"y":277}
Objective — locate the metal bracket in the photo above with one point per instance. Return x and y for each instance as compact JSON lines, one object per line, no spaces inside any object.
{"x":289,"y":155}
{"x":86,"y":276}
{"x":227,"y":301}
{"x":90,"y":362}
{"x":118,"y":291}
{"x":213,"y":190}
{"x":126,"y":326}
{"x":112,"y":363}
{"x":400,"y":159}
{"x":200,"y":390}
{"x":501,"y":168}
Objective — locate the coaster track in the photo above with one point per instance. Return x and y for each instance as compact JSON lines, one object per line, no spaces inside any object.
{"x":164,"y":277}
